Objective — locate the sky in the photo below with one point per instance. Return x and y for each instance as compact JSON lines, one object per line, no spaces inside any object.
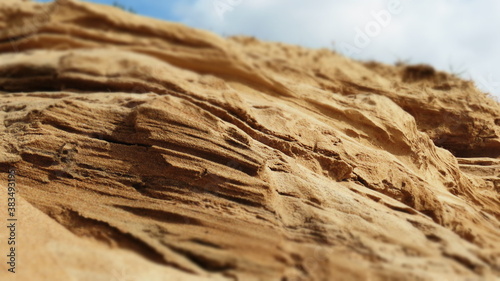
{"x":458,"y":36}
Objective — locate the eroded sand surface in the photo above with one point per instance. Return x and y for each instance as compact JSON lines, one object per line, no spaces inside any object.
{"x":147,"y":150}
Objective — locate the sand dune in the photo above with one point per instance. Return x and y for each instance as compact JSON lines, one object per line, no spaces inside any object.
{"x":148,"y":150}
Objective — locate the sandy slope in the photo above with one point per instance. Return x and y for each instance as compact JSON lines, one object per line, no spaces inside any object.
{"x":146,"y":150}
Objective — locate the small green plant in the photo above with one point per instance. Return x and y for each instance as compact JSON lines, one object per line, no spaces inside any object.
{"x":123,"y":7}
{"x":457,"y":71}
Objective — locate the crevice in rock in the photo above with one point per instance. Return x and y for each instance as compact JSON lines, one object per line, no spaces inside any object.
{"x":162,"y":216}
{"x":104,"y":232}
{"x":463,"y":261}
{"x":205,"y":261}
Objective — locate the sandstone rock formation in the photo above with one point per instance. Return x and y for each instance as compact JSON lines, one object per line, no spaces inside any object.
{"x":147,"y":150}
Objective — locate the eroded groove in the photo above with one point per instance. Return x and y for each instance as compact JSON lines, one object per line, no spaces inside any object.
{"x":161,"y":215}
{"x":119,"y":142}
{"x":100,"y":230}
{"x":204,"y":260}
{"x":462,"y":261}
{"x":206,"y":243}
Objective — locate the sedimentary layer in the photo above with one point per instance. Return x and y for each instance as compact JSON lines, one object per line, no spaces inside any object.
{"x":148,"y":150}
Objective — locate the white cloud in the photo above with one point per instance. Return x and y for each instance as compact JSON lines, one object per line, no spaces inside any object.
{"x":457,"y":34}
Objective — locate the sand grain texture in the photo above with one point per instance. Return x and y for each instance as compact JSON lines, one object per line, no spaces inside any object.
{"x":147,"y":150}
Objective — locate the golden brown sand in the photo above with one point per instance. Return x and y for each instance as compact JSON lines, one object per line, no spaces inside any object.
{"x":147,"y":150}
